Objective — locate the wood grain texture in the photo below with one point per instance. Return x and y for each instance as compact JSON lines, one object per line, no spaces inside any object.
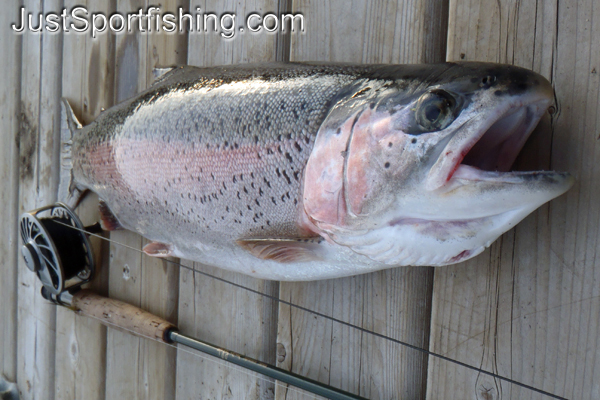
{"x":10,"y":99}
{"x":136,"y":367}
{"x":87,"y":82}
{"x":396,"y":302}
{"x":528,"y":307}
{"x":371,"y":31}
{"x":38,"y":181}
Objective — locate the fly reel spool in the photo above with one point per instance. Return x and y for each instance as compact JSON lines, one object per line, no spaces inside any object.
{"x":56,"y":249}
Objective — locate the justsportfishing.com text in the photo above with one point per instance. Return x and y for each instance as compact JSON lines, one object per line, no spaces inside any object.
{"x":79,"y":19}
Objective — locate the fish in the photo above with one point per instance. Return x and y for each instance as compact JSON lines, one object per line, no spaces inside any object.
{"x":307,"y":171}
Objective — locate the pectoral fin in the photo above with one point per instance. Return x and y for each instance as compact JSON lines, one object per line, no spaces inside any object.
{"x":158,"y":249}
{"x":284,"y":250}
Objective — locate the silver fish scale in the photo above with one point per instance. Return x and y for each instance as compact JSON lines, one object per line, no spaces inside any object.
{"x":208,"y":156}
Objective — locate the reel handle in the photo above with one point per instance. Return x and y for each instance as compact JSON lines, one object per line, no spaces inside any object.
{"x":122,"y":316}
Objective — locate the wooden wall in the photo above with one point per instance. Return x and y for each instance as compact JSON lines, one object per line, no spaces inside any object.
{"x":527,"y":308}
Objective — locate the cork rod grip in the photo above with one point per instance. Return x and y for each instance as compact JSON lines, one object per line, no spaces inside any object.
{"x":117,"y":314}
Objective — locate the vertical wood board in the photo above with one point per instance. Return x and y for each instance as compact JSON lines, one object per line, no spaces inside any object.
{"x":38,"y":153}
{"x":10,"y":98}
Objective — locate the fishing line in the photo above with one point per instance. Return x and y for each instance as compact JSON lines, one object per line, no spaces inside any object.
{"x":333,"y":319}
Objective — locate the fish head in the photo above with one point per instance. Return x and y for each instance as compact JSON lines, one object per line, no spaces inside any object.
{"x":415,"y":169}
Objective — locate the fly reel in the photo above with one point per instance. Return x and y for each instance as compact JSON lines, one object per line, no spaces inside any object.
{"x":56,"y":249}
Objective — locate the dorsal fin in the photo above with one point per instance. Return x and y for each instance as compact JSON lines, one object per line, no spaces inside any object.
{"x":159,"y":73}
{"x":283,"y":250}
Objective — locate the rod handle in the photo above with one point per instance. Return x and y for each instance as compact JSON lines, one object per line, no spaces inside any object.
{"x":120,"y":315}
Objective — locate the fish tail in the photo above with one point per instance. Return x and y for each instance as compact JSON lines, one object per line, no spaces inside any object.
{"x":68,"y":192}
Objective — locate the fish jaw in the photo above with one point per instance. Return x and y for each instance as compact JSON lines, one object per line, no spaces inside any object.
{"x":486,"y":204}
{"x":458,"y":195}
{"x":471,"y":178}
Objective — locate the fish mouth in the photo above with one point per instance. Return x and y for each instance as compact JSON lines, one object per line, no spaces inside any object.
{"x":487,"y":152}
{"x":494,"y":149}
{"x":472,"y":178}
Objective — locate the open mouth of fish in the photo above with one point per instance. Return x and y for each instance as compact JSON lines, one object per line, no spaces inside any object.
{"x":476,"y":170}
{"x":490,"y":154}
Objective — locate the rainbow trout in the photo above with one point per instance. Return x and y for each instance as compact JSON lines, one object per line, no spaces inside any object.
{"x":308,"y":171}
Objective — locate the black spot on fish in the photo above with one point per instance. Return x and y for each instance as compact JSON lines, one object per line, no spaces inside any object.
{"x":387,"y":165}
{"x":257,"y":203}
{"x":234,"y":179}
{"x":273,"y":200}
{"x":267,"y":182}
{"x":227,"y":208}
{"x":390,"y":144}
{"x":238,"y":196}
{"x":268,"y":222}
{"x":245,"y":190}
{"x":289,"y":157}
{"x":278,"y":173}
{"x":287,"y":178}
{"x":296,"y":174}
{"x":224,"y":187}
{"x":260,"y":191}
{"x":242,"y":177}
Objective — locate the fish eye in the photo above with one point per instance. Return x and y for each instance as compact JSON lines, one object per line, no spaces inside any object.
{"x":435,"y":110}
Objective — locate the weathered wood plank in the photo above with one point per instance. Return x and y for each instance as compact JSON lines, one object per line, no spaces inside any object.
{"x":10,"y":99}
{"x":137,"y":367}
{"x":396,"y":302}
{"x":87,"y":82}
{"x":528,"y":307}
{"x":38,"y":180}
{"x":211,"y":310}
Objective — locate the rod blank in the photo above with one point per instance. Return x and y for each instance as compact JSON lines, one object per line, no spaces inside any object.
{"x":263,"y":368}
